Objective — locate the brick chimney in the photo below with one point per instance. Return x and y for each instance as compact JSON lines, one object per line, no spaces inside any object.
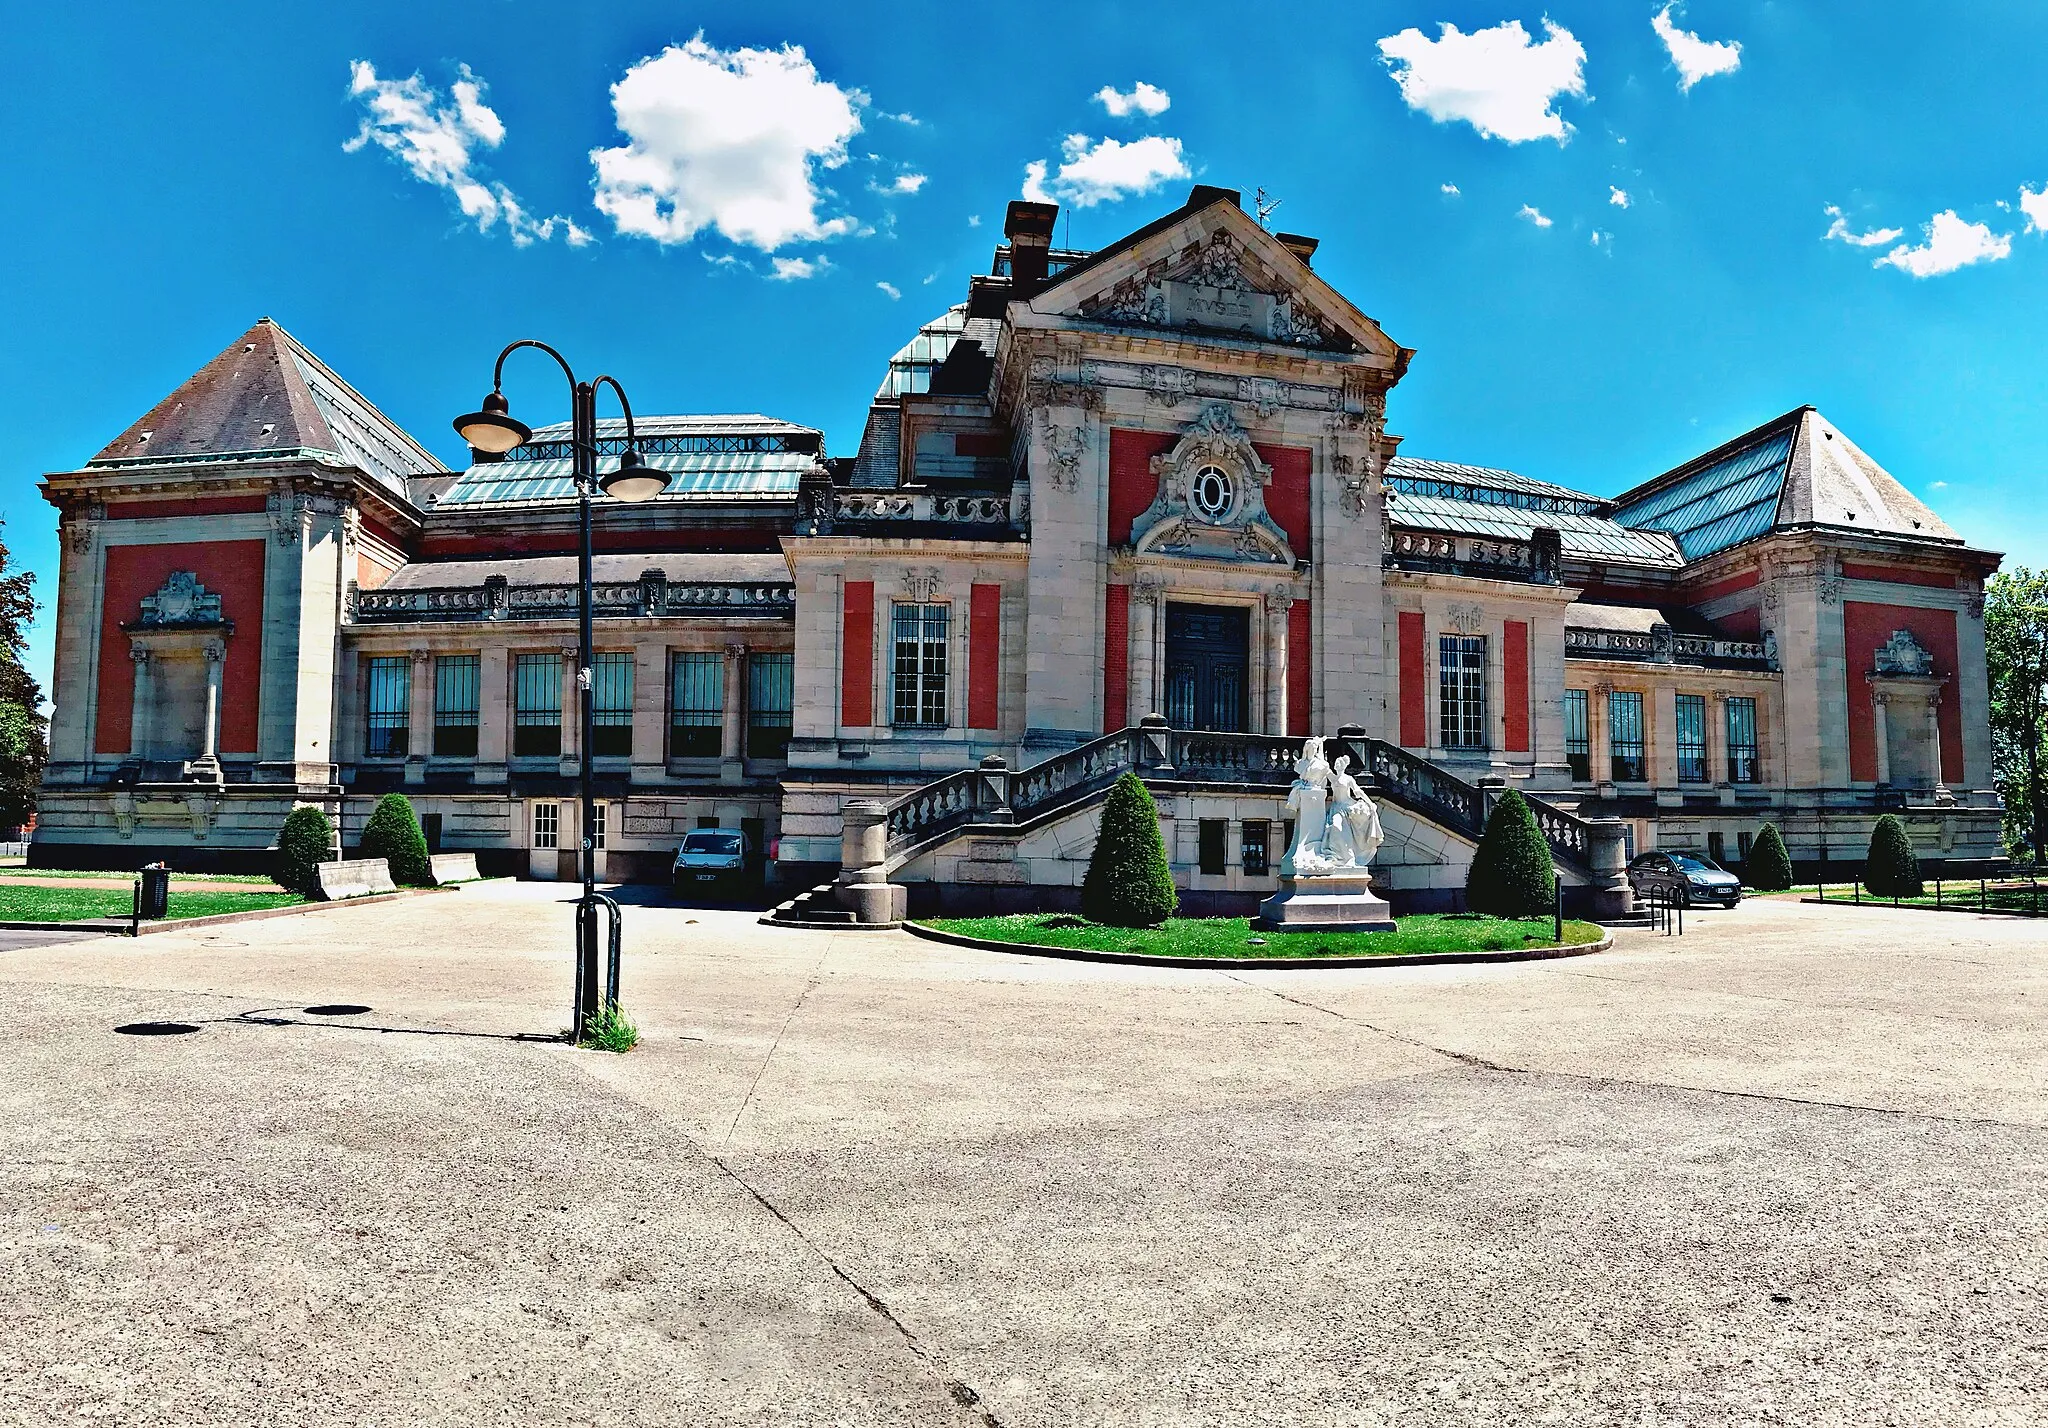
{"x":1028,"y":226}
{"x":1300,"y":247}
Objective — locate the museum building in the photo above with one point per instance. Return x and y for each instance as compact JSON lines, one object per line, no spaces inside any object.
{"x":1134,"y":508}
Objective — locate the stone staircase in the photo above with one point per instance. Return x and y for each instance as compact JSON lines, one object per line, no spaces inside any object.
{"x":994,"y":802}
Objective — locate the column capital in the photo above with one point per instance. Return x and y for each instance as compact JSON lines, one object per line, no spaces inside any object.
{"x":215,"y":651}
{"x":139,"y":653}
{"x":736,"y":651}
{"x":1278,"y":602}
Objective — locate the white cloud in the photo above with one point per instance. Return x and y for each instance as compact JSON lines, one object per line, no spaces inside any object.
{"x":1146,"y":99}
{"x":787,"y":270}
{"x":438,"y":141}
{"x":1840,"y":233}
{"x":1938,"y":486}
{"x":725,"y":139}
{"x":1950,"y":244}
{"x":1602,"y":238}
{"x":1697,"y":59}
{"x":1534,"y":215}
{"x":908,"y":183}
{"x":1096,"y":171}
{"x":1618,"y":196}
{"x":1449,"y":188}
{"x":2035,"y":206}
{"x":891,"y":290}
{"x":1497,"y":80}
{"x":974,"y":220}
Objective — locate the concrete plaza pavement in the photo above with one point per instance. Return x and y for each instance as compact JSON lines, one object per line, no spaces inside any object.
{"x":1787,"y":1169}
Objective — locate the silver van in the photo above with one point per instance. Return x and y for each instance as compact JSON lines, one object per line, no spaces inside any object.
{"x":712,"y":859}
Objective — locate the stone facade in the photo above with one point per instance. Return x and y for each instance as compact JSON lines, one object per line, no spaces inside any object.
{"x":1152,"y":479}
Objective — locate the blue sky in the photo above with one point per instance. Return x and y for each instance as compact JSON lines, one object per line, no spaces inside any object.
{"x":169,"y":182}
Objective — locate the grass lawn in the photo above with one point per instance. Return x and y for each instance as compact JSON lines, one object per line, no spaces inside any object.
{"x":128,"y":874}
{"x":1233,"y":936}
{"x":34,"y":904}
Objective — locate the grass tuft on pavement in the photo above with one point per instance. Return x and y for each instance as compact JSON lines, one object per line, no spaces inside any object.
{"x":1234,"y":937}
{"x":611,"y":1030}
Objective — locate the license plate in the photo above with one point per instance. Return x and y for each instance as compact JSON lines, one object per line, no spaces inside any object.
{"x":707,"y":877}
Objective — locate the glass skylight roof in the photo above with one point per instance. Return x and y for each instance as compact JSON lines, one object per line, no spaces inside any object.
{"x":1733,"y":500}
{"x":910,"y":370}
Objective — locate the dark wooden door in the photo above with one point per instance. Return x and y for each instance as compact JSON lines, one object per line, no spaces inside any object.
{"x":1207,"y":667}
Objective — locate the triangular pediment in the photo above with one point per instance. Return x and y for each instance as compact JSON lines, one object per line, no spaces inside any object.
{"x":1212,"y":270}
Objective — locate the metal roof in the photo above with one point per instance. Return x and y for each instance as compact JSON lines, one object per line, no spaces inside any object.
{"x":695,"y":476}
{"x":1425,"y":477}
{"x":1723,"y":503}
{"x":1583,"y":536}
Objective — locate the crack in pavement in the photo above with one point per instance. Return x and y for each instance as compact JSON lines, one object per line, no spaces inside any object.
{"x":762,"y":1070}
{"x":1482,"y":1063}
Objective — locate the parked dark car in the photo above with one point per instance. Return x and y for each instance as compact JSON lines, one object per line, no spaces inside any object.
{"x":1688,"y":876}
{"x":713,"y":860}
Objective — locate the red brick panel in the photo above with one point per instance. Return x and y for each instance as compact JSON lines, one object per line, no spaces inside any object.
{"x":190,"y":506}
{"x":1300,"y":675}
{"x":984,"y":652}
{"x":857,"y":655}
{"x":1287,"y":493}
{"x":1864,"y":628}
{"x":1131,"y":482}
{"x":231,"y":568}
{"x":1116,"y":657}
{"x":1514,"y":655}
{"x":1700,"y":594}
{"x":1414,"y":733}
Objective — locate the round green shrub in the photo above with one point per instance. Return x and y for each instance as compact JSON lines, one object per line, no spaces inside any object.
{"x":393,"y":832}
{"x":1889,"y":868}
{"x":1129,"y":882}
{"x":1769,"y":868}
{"x":1512,"y":874}
{"x":306,"y":842}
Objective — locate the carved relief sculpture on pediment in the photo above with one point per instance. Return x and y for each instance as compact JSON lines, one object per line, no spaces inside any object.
{"x":1215,"y":286}
{"x":1211,"y":502}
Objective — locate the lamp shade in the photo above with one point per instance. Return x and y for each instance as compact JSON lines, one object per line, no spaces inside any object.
{"x":635,"y":480}
{"x":493,"y":429}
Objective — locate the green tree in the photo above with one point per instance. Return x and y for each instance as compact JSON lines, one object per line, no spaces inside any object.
{"x":1129,"y":882}
{"x":1889,"y":868}
{"x":1512,"y":874}
{"x":23,"y":746}
{"x":1769,"y":868}
{"x":393,"y":832}
{"x":2016,"y":656}
{"x":306,"y":842}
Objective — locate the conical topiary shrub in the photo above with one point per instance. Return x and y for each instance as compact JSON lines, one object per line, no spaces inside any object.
{"x":306,"y":842}
{"x":393,"y":832}
{"x":1512,"y":875}
{"x":1129,"y":883}
{"x":1889,"y":868}
{"x":1769,"y":868}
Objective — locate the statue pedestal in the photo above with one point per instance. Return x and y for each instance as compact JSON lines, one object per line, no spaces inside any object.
{"x":1325,"y":902}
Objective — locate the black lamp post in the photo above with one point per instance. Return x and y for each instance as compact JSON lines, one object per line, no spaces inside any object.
{"x":495,"y":430}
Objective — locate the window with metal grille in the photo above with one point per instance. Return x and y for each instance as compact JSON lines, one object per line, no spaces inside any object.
{"x":771,"y":683}
{"x":1692,"y":738}
{"x":1717,"y":847}
{"x":1742,"y":752}
{"x":547,"y":825}
{"x":1211,"y":837}
{"x":389,"y":708}
{"x":611,"y":706}
{"x":696,"y":708}
{"x":458,"y":683}
{"x":600,"y":815}
{"x":1578,"y":735}
{"x":1625,"y":736}
{"x":537,"y":707}
{"x":1742,"y":844}
{"x":1256,"y":857}
{"x":1461,"y":691}
{"x":920,"y":642}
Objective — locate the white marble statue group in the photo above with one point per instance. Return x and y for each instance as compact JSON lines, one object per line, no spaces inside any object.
{"x":1336,"y":827}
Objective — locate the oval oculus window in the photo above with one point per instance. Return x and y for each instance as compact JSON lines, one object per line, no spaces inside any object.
{"x":1212,"y":492}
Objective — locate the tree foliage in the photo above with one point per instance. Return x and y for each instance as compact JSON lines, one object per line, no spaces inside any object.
{"x":1512,"y":874}
{"x":1129,"y":882}
{"x":306,"y":842}
{"x":393,"y":833}
{"x":1890,"y":869}
{"x":23,"y":745}
{"x":2016,"y":655}
{"x":1769,"y":868}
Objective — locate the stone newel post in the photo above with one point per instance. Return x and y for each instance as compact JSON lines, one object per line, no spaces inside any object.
{"x":1612,"y":897}
{"x":864,"y":886}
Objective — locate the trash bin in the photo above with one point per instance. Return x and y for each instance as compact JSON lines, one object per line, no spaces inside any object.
{"x":153,"y":902}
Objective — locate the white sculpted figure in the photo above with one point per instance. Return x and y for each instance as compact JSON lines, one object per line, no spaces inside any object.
{"x":1336,"y":827}
{"x":1308,"y":801}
